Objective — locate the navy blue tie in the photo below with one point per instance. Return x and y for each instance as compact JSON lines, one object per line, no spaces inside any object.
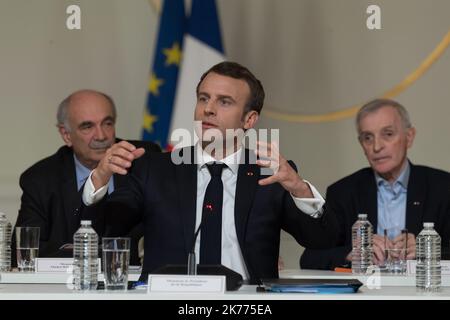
{"x":211,"y":230}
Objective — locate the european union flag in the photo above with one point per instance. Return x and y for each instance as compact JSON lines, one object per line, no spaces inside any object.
{"x":164,"y":74}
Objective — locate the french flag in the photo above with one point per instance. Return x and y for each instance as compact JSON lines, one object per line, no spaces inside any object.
{"x":202,"y":48}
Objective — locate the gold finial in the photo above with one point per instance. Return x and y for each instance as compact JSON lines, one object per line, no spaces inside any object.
{"x":156,"y":5}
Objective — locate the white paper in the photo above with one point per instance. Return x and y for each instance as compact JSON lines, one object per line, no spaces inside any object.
{"x":411,"y":267}
{"x":185,"y":283}
{"x":57,"y":265}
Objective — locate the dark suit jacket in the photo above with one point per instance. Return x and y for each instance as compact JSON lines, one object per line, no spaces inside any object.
{"x":165,"y":195}
{"x":428,"y":200}
{"x":51,"y":201}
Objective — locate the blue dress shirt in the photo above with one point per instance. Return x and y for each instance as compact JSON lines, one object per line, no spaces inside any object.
{"x":392,"y":202}
{"x":83,"y":173}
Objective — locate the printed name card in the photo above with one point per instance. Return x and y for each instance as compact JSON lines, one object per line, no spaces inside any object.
{"x":411,"y":267}
{"x":57,"y":265}
{"x":184,"y":283}
{"x":54,"y":265}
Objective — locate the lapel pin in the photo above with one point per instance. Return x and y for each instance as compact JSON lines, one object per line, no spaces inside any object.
{"x":416,"y":203}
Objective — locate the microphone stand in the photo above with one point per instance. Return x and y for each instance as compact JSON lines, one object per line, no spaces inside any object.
{"x":192,"y":263}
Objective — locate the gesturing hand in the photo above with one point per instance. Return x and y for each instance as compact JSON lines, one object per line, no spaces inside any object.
{"x":283,"y":172}
{"x":117,"y":159}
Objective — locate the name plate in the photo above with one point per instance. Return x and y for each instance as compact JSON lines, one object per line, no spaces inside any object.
{"x":411,"y":267}
{"x":184,"y":283}
{"x":57,"y":265}
{"x":54,"y":265}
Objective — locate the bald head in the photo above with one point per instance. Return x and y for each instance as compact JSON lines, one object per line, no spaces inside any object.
{"x":86,"y":122}
{"x":77,"y":98}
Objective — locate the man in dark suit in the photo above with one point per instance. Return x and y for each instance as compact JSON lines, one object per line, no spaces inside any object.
{"x":394,"y":193}
{"x":173,"y":193}
{"x":51,"y":196}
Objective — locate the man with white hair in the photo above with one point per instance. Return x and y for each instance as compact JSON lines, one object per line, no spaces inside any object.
{"x":394,"y":193}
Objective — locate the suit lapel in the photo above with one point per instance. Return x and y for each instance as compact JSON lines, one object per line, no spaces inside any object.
{"x":119,"y":181}
{"x":415,"y":200}
{"x":369,"y":198}
{"x":186,"y":178}
{"x":247,"y":181}
{"x":71,"y":196}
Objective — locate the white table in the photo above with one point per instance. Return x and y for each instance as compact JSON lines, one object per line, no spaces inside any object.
{"x":42,"y":287}
{"x":246,"y":292}
{"x":48,"y":278}
{"x":380,"y":279}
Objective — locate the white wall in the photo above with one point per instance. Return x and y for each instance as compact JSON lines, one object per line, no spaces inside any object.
{"x":312,"y":56}
{"x":42,"y":62}
{"x":315,"y":56}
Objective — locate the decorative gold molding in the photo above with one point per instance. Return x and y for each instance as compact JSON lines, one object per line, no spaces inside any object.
{"x":351,"y":111}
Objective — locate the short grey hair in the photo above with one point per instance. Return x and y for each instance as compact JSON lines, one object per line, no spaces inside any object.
{"x":377,"y":104}
{"x":62,"y":113}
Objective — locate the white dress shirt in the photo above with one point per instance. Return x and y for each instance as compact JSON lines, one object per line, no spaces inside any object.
{"x":83,"y":173}
{"x":231,"y":251}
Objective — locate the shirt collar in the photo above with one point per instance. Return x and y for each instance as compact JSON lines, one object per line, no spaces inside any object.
{"x":402,"y":179}
{"x":232,"y":161}
{"x":81,"y":171}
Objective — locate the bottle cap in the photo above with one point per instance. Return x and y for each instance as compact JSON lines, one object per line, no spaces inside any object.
{"x":86,"y":222}
{"x":428,"y":224}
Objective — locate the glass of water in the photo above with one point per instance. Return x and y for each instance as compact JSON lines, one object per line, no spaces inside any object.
{"x":116,"y":259}
{"x":27,"y":248}
{"x":395,"y":250}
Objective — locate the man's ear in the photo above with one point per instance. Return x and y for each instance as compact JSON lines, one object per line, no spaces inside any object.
{"x":250,"y":119}
{"x":65,"y":135}
{"x":410,"y":135}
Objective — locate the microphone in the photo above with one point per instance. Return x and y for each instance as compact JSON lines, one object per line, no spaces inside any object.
{"x":192,"y":261}
{"x":233,"y":279}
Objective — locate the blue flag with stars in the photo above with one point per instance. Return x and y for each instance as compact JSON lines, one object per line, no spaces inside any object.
{"x":164,"y":74}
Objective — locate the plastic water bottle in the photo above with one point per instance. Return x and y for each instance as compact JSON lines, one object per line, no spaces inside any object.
{"x":85,"y":257}
{"x":428,"y":258}
{"x":5,"y":243}
{"x":362,"y":232}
